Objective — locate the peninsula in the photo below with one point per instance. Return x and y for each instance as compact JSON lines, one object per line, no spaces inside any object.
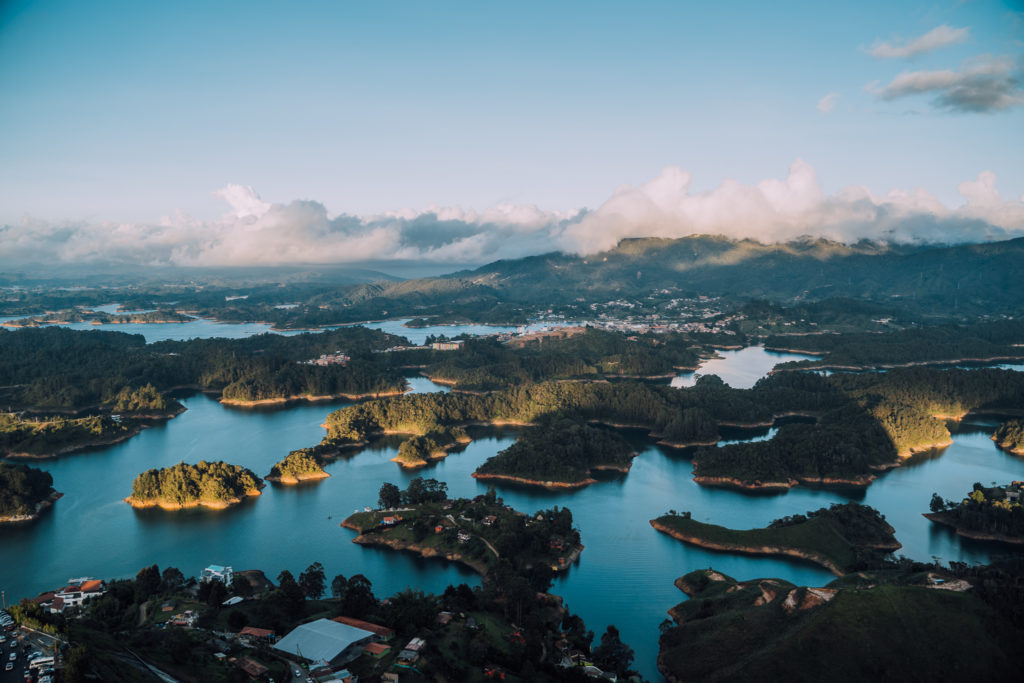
{"x":994,"y":513}
{"x":840,"y":538}
{"x":24,"y":492}
{"x":301,"y":465}
{"x":1010,"y":436}
{"x":476,"y":533}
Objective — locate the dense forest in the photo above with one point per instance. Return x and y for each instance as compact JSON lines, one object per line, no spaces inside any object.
{"x":22,"y":488}
{"x":890,"y":628}
{"x":864,"y":421}
{"x":560,"y":450}
{"x":203,"y":483}
{"x":844,"y":537}
{"x":55,"y":368}
{"x":299,"y":464}
{"x":55,"y":435}
{"x":594,"y":354}
{"x":991,"y":511}
{"x":421,"y":449}
{"x":936,"y":344}
{"x":1010,"y":435}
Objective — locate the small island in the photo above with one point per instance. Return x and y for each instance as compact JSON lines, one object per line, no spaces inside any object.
{"x":301,"y":465}
{"x":559,"y":453}
{"x":24,"y":492}
{"x":840,"y":538}
{"x":993,"y":513}
{"x":419,"y":451}
{"x":1010,"y":436}
{"x":476,"y":533}
{"x":207,"y":484}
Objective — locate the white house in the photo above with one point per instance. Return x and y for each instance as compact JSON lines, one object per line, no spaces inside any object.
{"x":216,"y":572}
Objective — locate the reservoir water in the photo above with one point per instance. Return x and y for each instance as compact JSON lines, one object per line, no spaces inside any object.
{"x":624,"y":576}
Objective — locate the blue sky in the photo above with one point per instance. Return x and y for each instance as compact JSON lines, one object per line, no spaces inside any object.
{"x":124,"y":112}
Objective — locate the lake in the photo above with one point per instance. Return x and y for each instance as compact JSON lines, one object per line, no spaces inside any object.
{"x":624,"y":576}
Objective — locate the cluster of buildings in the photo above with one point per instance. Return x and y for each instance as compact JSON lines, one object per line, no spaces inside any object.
{"x":74,"y":594}
{"x":336,"y":358}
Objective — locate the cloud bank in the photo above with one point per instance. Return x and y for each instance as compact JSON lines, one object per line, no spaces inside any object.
{"x":257,"y":232}
{"x":984,"y":84}
{"x":939,"y":37}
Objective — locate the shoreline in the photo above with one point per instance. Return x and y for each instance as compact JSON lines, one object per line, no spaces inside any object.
{"x":304,"y":398}
{"x":146,"y":421}
{"x":1007,"y":446}
{"x":895,"y":366}
{"x":733,"y":482}
{"x":166,"y":505}
{"x":942,"y":519}
{"x":374,"y":540}
{"x":293,"y":480}
{"x":768,"y":550}
{"x":44,"y":504}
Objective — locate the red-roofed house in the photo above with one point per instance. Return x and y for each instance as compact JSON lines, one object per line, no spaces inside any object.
{"x":383,"y":632}
{"x":76,"y":592}
{"x":251,"y":634}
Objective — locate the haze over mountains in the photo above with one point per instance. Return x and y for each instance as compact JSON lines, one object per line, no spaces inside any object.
{"x":255,"y":232}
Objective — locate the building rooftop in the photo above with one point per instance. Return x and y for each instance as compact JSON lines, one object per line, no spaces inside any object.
{"x":321,"y":640}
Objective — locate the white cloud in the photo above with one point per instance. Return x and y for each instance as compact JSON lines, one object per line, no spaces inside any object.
{"x":827,"y":103}
{"x":984,"y":84}
{"x":258,"y":232}
{"x":938,"y":37}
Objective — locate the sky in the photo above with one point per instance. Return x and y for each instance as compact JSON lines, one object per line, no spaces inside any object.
{"x":222,"y":133}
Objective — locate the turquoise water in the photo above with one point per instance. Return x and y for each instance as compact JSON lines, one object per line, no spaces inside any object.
{"x":624,"y":576}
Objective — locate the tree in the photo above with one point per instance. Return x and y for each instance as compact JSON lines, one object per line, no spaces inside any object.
{"x":290,"y":594}
{"x":937,"y":504}
{"x":612,"y":654}
{"x":339,"y":584}
{"x":359,"y":600}
{"x":217,"y":594}
{"x":390,"y":496}
{"x":147,"y":582}
{"x":237,"y":620}
{"x":171,"y":579}
{"x":77,"y":664}
{"x":312,"y":581}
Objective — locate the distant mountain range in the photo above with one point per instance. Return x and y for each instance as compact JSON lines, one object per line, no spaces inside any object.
{"x":974,"y":279}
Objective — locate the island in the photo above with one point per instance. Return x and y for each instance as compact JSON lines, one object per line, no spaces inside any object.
{"x":988,"y":513}
{"x":559,"y":453}
{"x":915,"y":623}
{"x":24,"y":492}
{"x":1010,"y":436}
{"x":301,"y":465}
{"x":208,"y":484}
{"x":477,"y":532}
{"x":841,"y":538}
{"x":419,"y":451}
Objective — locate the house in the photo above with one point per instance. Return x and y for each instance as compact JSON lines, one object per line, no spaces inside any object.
{"x":216,"y":572}
{"x":233,"y":600}
{"x":76,"y":592}
{"x":444,"y":618}
{"x":168,"y":606}
{"x":438,"y":529}
{"x":452,"y":345}
{"x":377,"y":650}
{"x":490,"y":519}
{"x":252,"y":635}
{"x":410,"y":654}
{"x":464,"y":537}
{"x":389,"y":521}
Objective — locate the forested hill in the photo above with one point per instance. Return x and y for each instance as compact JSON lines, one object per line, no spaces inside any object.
{"x":973,"y":279}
